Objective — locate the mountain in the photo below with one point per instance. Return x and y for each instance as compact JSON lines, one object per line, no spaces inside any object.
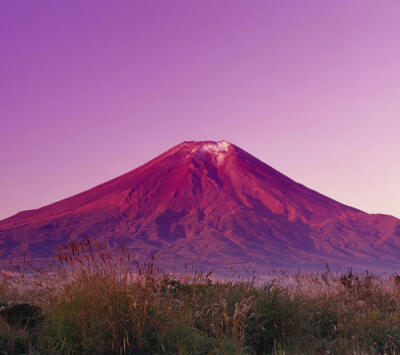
{"x":212,"y":205}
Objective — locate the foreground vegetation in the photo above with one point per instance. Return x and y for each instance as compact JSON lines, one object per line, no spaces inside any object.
{"x":95,"y":302}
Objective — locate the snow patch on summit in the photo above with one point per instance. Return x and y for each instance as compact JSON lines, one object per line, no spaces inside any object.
{"x":218,"y":149}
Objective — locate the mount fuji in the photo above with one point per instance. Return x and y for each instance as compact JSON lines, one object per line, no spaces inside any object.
{"x":212,"y":205}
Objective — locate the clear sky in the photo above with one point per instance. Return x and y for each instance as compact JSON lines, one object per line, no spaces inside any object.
{"x":92,"y":89}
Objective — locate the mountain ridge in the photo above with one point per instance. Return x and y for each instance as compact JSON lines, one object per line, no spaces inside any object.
{"x":211,"y":203}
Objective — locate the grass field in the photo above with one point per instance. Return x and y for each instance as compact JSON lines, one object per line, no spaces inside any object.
{"x":92,"y":300}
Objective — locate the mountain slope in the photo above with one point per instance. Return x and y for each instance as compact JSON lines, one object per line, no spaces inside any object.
{"x":214,"y":205}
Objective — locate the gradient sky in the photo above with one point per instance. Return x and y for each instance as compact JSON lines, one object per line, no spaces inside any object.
{"x":92,"y":89}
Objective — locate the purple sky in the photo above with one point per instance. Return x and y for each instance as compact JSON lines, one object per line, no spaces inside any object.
{"x":92,"y":89}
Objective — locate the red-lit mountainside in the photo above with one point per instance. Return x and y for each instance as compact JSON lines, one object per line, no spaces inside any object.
{"x":212,"y":205}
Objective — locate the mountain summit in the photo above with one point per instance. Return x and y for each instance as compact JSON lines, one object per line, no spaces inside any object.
{"x":211,"y":204}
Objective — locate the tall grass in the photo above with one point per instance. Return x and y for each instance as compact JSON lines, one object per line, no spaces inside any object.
{"x":100,"y":300}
